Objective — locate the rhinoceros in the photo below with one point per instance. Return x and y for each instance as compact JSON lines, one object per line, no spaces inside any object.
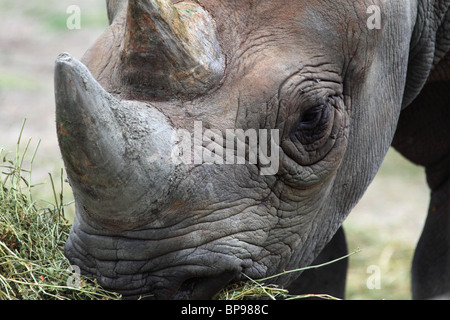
{"x":210,"y":141}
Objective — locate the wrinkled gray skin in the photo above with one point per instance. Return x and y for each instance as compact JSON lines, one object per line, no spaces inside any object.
{"x":338,"y":92}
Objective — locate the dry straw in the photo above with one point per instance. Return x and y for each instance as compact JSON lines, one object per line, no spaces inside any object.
{"x":256,"y":289}
{"x":32,"y":238}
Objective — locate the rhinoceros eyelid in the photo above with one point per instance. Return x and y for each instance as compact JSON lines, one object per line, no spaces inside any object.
{"x":316,"y":118}
{"x":312,"y":116}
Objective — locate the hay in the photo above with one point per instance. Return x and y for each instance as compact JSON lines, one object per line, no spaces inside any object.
{"x":32,"y":263}
{"x":257,"y":289}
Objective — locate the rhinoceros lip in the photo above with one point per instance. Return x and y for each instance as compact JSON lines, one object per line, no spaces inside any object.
{"x":203,"y":288}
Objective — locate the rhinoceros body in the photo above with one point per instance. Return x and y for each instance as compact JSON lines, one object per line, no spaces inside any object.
{"x":206,"y":140}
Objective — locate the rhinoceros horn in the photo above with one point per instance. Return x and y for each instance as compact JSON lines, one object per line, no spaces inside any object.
{"x":112,"y":149}
{"x":169,"y":49}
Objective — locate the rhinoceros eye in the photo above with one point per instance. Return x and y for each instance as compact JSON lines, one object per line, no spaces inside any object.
{"x":313,"y":124}
{"x":314,"y":133}
{"x":315,"y":119}
{"x":312,"y":116}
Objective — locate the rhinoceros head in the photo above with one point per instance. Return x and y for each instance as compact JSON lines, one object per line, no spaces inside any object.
{"x":204,"y":140}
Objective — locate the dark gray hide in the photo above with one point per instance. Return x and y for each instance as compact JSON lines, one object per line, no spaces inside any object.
{"x":334,"y":86}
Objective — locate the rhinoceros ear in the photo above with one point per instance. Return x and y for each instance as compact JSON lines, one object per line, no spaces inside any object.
{"x":169,"y":49}
{"x":114,"y":8}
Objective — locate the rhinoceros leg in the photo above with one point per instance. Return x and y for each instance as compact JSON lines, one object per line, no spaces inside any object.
{"x":330,"y":279}
{"x":423,"y":136}
{"x":431,"y":263}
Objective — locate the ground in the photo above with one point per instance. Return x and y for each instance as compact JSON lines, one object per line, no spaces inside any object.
{"x":385,"y":225}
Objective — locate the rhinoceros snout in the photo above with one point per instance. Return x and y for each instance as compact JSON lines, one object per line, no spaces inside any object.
{"x":155,"y":268}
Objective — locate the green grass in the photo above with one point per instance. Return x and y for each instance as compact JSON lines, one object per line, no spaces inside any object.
{"x":32,"y":238}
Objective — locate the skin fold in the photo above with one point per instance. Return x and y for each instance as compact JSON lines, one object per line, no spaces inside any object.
{"x":335,"y":92}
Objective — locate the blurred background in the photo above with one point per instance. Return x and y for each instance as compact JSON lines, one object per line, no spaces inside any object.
{"x":32,"y":34}
{"x":385,"y":225}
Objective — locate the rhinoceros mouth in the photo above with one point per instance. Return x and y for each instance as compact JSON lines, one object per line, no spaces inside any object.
{"x":204,"y":287}
{"x":190,"y":288}
{"x":194,"y":288}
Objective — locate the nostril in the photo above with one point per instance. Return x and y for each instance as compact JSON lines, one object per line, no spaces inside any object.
{"x":201,"y":288}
